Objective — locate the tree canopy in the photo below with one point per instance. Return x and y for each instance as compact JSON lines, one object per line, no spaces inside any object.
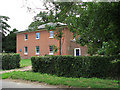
{"x":9,"y":42}
{"x":3,"y":24}
{"x":96,"y":23}
{"x":98,"y":27}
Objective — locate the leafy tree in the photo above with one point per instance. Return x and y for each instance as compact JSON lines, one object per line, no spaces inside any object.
{"x":59,"y":35}
{"x":99,"y":27}
{"x":96,"y":23}
{"x":9,"y":42}
{"x":39,"y":19}
{"x":1,"y":42}
{"x":55,"y":48}
{"x":3,"y":29}
{"x":44,"y":18}
{"x":3,"y":24}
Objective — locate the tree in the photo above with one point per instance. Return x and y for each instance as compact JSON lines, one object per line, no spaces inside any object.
{"x":1,"y":42}
{"x":58,"y":35}
{"x":3,"y":24}
{"x":44,"y":18}
{"x":39,"y":19}
{"x":99,"y":27}
{"x":9,"y":42}
{"x":3,"y":29}
{"x":96,"y":23}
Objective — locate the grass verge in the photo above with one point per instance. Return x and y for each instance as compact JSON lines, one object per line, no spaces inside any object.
{"x":54,"y":80}
{"x":25,"y":62}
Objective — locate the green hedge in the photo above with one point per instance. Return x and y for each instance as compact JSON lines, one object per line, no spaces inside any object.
{"x":10,"y":61}
{"x":82,"y":66}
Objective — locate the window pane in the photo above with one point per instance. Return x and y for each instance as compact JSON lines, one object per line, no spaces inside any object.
{"x":50,"y":33}
{"x":37,"y":35}
{"x":25,"y":36}
{"x":37,"y":49}
{"x":51,"y":49}
{"x":25,"y":49}
{"x":77,"y":52}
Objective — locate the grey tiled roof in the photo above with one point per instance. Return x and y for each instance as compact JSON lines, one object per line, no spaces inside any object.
{"x":50,"y":24}
{"x":43,"y":26}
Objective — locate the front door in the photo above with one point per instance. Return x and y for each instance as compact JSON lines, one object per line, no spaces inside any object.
{"x":77,"y":52}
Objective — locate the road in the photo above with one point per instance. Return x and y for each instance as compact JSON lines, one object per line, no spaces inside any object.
{"x":24,"y":84}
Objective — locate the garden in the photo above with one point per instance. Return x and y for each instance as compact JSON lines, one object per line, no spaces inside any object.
{"x":81,"y":71}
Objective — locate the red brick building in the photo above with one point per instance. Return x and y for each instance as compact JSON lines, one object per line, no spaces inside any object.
{"x":39,"y":43}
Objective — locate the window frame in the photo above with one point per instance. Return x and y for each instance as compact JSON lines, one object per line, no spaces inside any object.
{"x":37,"y":53}
{"x":50,"y":36}
{"x":25,"y":50}
{"x":75,"y":51}
{"x":50,"y":52}
{"x":38,"y":36}
{"x":25,"y":37}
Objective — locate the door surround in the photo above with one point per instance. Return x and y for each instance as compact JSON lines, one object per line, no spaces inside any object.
{"x":75,"y":51}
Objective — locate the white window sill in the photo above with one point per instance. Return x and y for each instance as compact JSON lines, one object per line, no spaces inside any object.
{"x":50,"y":53}
{"x":37,"y":38}
{"x":36,"y":53}
{"x":50,"y":37}
{"x":73,"y":40}
{"x":25,"y":53}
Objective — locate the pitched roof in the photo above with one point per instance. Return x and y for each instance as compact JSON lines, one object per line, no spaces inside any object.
{"x":51,"y":24}
{"x":43,"y":26}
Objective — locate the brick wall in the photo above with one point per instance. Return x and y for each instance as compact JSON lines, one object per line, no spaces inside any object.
{"x":44,"y":41}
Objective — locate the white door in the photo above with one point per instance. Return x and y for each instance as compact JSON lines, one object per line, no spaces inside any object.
{"x":77,"y":52}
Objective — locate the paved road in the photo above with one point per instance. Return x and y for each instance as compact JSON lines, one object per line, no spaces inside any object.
{"x":21,"y":84}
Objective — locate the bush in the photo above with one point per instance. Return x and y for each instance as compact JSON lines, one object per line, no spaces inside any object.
{"x":81,"y":66}
{"x":10,"y":61}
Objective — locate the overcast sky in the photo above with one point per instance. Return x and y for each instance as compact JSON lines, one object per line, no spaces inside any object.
{"x":18,"y":13}
{"x":16,"y":10}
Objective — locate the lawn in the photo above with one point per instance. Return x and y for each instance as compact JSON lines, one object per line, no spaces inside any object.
{"x":55,"y":80}
{"x":25,"y":62}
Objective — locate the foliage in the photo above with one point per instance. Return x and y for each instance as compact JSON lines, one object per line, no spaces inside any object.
{"x":99,"y":27}
{"x":10,"y":61}
{"x":9,"y":42}
{"x":96,"y":23}
{"x":83,"y":66}
{"x":55,"y":80}
{"x":3,"y":24}
{"x":25,"y":62}
{"x":55,"y":48}
{"x":39,"y":19}
{"x":44,"y":18}
{"x":1,"y":37}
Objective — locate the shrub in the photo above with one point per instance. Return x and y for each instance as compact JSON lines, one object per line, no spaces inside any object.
{"x":10,"y":61}
{"x":81,"y":66}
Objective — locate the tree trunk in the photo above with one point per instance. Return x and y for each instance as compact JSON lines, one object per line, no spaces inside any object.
{"x":59,"y":46}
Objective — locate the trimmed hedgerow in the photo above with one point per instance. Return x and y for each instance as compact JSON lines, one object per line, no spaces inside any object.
{"x":82,"y":66}
{"x":10,"y":61}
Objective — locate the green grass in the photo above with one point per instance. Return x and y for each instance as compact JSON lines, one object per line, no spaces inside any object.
{"x":54,"y":80}
{"x":25,"y":62}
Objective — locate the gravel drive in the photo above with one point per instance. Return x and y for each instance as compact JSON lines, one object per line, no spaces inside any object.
{"x":20,"y":69}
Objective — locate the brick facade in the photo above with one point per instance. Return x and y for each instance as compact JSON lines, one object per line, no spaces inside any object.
{"x":44,"y":42}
